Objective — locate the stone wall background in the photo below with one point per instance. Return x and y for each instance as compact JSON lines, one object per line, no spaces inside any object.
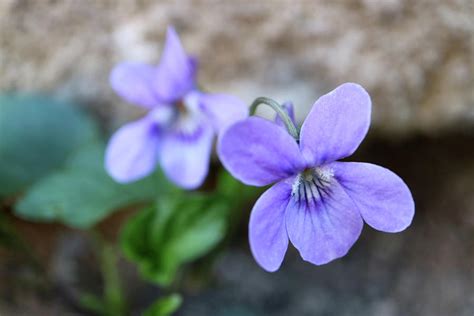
{"x":414,"y":57}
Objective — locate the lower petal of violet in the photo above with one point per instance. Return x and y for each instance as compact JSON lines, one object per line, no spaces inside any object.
{"x":267,"y":231}
{"x":185,"y":156}
{"x":383,"y":199}
{"x":322,"y":221}
{"x":132,"y":152}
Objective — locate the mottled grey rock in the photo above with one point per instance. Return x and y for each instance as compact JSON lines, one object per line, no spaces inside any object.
{"x":415,"y":58}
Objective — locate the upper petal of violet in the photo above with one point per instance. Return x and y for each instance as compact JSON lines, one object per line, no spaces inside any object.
{"x":259,"y":152}
{"x":383,"y":199}
{"x":132,"y":152}
{"x":222,"y":110}
{"x":133,"y":82}
{"x":176,"y":72}
{"x":336,"y":125}
{"x":267,"y":229}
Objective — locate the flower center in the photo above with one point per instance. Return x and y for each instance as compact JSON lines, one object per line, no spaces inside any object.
{"x":181,"y":107}
{"x":187,"y":121}
{"x":183,"y":117}
{"x":312,"y":184}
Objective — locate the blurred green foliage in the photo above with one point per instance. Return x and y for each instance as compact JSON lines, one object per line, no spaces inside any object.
{"x":165,"y":306}
{"x":177,"y":229}
{"x":81,"y":193}
{"x":37,"y":135}
{"x":181,"y":227}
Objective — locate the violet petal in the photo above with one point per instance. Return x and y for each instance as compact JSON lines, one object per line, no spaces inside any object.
{"x":383,"y":199}
{"x":176,"y":72}
{"x":132,"y":151}
{"x":336,"y":125}
{"x":185,"y":156}
{"x":323,"y":227}
{"x":133,"y":82}
{"x":289,"y":108}
{"x":223,"y":110}
{"x":259,"y":152}
{"x":267,"y":230}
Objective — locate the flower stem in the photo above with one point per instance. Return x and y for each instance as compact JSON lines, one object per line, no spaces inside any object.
{"x":280,"y":111}
{"x":113,"y":298}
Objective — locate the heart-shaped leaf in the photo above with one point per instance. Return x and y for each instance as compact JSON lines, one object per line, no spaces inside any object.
{"x":37,"y":136}
{"x":82,"y":193}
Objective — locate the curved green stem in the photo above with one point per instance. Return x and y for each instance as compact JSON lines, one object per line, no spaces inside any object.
{"x":280,"y":111}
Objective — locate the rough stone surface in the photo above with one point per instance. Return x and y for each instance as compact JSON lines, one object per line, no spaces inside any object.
{"x":415,"y":58}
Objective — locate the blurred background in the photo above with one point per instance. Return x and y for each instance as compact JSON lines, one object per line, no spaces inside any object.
{"x":416,"y":59}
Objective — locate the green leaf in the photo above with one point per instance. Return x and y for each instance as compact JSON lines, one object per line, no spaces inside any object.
{"x":37,"y":136}
{"x":82,"y":194}
{"x":164,"y":306}
{"x":178,"y":229}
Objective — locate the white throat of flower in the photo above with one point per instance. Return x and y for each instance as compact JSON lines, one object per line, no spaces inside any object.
{"x":183,"y":117}
{"x":189,"y":115}
{"x":312,"y":184}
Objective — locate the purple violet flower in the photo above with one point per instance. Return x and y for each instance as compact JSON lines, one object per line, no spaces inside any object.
{"x":179,"y":128}
{"x":317,"y":203}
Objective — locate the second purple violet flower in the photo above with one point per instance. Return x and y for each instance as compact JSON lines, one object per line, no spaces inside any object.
{"x":178,"y":131}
